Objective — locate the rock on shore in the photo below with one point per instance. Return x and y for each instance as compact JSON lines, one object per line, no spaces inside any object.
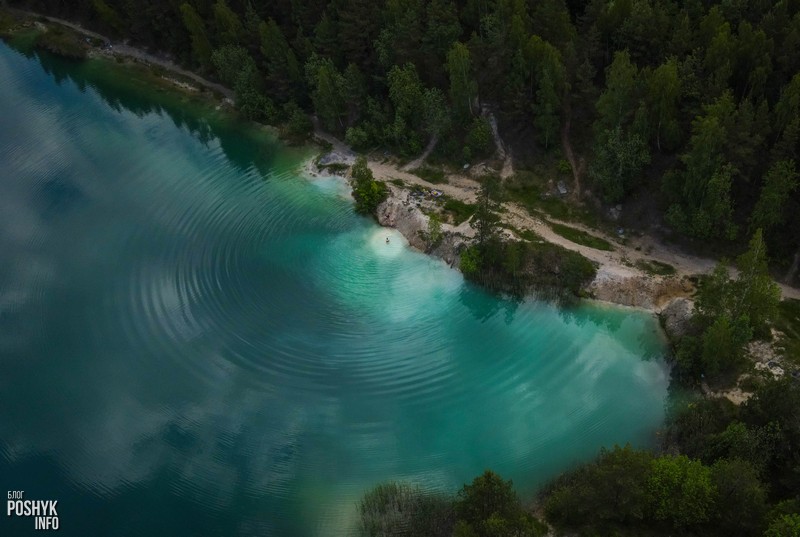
{"x":405,"y":218}
{"x":676,"y":317}
{"x":405,"y":214}
{"x":629,"y":288}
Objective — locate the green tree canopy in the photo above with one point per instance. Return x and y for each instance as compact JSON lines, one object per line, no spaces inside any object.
{"x":367,"y":192}
{"x":757,"y":295}
{"x":620,"y":160}
{"x":741,"y":501}
{"x":229,"y":28}
{"x":328,"y":92}
{"x":779,"y":183}
{"x":619,"y":101}
{"x":489,"y":507}
{"x":201,"y":46}
{"x":663,"y":97}
{"x":611,"y":489}
{"x":283,"y":70}
{"x":408,"y":97}
{"x":681,"y":491}
{"x":784,"y":526}
{"x":463,"y":88}
{"x":702,"y":191}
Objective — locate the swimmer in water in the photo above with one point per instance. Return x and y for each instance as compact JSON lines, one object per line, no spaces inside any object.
{"x":387,"y":240}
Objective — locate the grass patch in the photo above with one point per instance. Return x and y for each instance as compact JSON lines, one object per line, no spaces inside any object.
{"x":651,"y":266}
{"x":581,"y":237}
{"x":788,"y":322}
{"x":398,"y":182}
{"x":432,"y":175}
{"x":458,"y":211}
{"x":529,"y":191}
{"x":524,"y":234}
{"x":529,"y":235}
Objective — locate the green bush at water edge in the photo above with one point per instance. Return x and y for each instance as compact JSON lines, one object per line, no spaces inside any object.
{"x":487,"y":507}
{"x":367,"y":192}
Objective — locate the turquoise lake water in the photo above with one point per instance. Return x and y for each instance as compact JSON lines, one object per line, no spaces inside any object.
{"x":197,"y":340}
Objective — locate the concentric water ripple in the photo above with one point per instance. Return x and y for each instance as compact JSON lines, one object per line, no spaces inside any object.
{"x":194,"y":339}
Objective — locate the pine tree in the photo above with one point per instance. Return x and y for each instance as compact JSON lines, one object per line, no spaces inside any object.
{"x":663,"y":95}
{"x":282,"y":68}
{"x":407,"y":95}
{"x":617,"y":103}
{"x":779,"y":183}
{"x":326,"y":39}
{"x":757,"y":295}
{"x":327,"y":93}
{"x":702,"y":192}
{"x":463,"y":88}
{"x":367,"y":192}
{"x":400,"y":38}
{"x":486,"y":219}
{"x":442,"y":29}
{"x":358,"y":23}
{"x":546,"y":109}
{"x":229,"y":29}
{"x":201,"y":47}
{"x":549,"y":75}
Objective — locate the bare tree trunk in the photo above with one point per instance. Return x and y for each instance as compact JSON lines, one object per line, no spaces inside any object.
{"x":658,"y":135}
{"x":793,"y":269}
{"x":576,"y":165}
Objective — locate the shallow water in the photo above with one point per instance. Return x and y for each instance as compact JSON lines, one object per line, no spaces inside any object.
{"x":196,"y":340}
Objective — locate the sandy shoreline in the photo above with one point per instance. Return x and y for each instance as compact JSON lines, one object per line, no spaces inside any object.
{"x":618,"y":279}
{"x":618,"y":265}
{"x":112,"y":49}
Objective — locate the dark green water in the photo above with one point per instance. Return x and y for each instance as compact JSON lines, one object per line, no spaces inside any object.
{"x":196,"y":340}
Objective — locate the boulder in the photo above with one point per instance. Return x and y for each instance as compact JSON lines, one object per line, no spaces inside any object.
{"x":407,"y":219}
{"x":676,"y":317}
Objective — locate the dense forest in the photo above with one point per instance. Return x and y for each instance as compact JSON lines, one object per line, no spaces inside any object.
{"x":692,"y":106}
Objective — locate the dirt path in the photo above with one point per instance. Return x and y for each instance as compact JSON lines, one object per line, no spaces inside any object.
{"x":336,"y":144}
{"x":133,"y":53}
{"x":619,"y":263}
{"x":503,"y":152}
{"x":141,"y":56}
{"x":62,"y":22}
{"x":458,"y":187}
{"x":419,"y":161}
{"x":498,"y":142}
{"x":508,"y":166}
{"x":793,"y":269}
